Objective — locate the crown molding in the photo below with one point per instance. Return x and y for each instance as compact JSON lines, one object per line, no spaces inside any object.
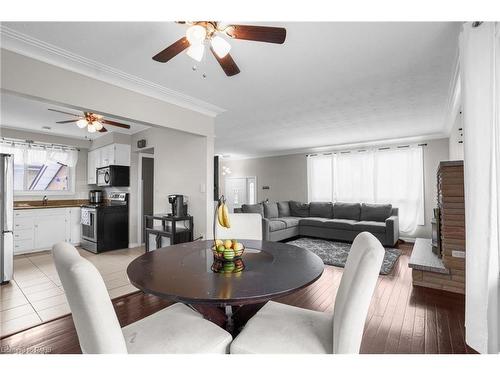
{"x":226,"y":156}
{"x":26,"y":45}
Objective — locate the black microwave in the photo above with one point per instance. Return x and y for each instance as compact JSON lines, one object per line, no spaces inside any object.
{"x":113,"y":175}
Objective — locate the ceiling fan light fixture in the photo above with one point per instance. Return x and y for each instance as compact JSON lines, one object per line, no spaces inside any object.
{"x":91,"y":128}
{"x":220,"y":46}
{"x":82,"y":123}
{"x":97,"y":125}
{"x":196,"y":34}
{"x":195,"y":51}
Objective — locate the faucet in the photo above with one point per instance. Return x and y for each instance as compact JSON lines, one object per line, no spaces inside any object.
{"x":45,"y":200}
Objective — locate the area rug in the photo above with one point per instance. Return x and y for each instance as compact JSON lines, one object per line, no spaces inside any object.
{"x":335,"y":253}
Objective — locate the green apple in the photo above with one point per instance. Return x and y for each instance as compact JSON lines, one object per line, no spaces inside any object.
{"x":228,"y":254}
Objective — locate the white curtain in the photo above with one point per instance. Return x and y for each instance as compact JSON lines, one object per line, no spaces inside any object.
{"x":319,"y":178}
{"x":35,"y":155}
{"x":63,"y":156}
{"x":480,"y":75}
{"x":372,"y":176}
{"x":40,"y":154}
{"x":354,"y":177}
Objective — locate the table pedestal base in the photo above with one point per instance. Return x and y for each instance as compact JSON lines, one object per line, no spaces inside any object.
{"x":231,"y":318}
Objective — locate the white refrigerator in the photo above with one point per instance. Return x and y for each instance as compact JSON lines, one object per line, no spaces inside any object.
{"x":7,"y":217}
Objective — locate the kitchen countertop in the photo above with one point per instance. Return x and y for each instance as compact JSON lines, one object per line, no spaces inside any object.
{"x":55,"y":203}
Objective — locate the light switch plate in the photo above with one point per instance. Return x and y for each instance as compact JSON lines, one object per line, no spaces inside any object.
{"x":458,"y":254}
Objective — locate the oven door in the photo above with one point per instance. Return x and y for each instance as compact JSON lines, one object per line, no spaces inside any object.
{"x":89,"y":224}
{"x":103,"y":177}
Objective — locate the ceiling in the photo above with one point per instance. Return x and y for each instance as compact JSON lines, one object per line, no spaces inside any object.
{"x":32,"y":115}
{"x":330,"y":83}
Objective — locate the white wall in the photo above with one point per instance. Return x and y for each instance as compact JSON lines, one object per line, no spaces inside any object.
{"x":109,"y":138}
{"x":81,"y":187}
{"x":180,"y":168}
{"x":183,"y":138}
{"x":435,"y":152}
{"x":456,"y":148}
{"x":38,"y":80}
{"x":287,"y":177}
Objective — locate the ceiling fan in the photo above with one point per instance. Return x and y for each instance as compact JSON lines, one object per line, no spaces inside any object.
{"x":92,"y":121}
{"x":201,"y":31}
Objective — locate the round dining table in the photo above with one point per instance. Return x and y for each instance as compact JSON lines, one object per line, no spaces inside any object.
{"x":183,"y":273}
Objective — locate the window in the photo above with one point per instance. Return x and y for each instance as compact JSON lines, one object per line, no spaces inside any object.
{"x":371,"y":176}
{"x":40,"y":168}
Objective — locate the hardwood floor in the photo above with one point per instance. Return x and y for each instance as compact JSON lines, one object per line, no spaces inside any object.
{"x":401,"y":318}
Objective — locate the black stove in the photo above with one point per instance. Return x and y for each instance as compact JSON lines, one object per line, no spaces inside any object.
{"x":105,"y":225}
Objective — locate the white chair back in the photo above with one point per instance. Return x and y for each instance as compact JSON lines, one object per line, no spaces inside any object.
{"x":95,"y":319}
{"x":243,"y":227}
{"x":355,"y":293}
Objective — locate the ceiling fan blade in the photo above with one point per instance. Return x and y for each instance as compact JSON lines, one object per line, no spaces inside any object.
{"x":66,"y":122}
{"x":257,"y":33}
{"x":66,"y":113}
{"x":172,"y":50}
{"x":114,"y":123}
{"x":227,"y":63}
{"x":103,"y":130}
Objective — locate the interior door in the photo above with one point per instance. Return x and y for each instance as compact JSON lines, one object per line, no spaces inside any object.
{"x":148,"y":167}
{"x":236,"y":192}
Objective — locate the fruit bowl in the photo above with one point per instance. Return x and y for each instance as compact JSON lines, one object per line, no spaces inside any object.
{"x":227,"y":250}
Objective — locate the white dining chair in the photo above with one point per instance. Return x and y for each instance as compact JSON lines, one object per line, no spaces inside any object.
{"x":279,"y":328}
{"x":243,"y":226}
{"x":175,"y":329}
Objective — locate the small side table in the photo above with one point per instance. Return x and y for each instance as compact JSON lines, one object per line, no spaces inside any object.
{"x":169,"y":228}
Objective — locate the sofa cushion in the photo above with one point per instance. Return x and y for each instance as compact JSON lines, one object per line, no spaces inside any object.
{"x":370,"y":226}
{"x":299,"y":209}
{"x":321,"y":209}
{"x":275,"y":225}
{"x":340,"y":224}
{"x":290,"y":221}
{"x":350,"y":211}
{"x":284,"y":209}
{"x":313,"y":221}
{"x":253,"y":209}
{"x":375,"y":212}
{"x":271,"y":210}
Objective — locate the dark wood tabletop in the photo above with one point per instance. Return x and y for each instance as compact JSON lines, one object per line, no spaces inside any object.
{"x":183,"y":273}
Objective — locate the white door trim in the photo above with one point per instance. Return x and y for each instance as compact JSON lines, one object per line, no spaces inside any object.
{"x":245,"y":177}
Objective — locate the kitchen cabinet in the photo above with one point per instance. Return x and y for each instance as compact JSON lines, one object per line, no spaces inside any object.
{"x":39,"y":229}
{"x":113,"y":154}
{"x":50,"y":230}
{"x":75,"y":225}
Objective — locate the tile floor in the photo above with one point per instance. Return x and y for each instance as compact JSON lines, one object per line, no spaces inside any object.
{"x":36,"y":295}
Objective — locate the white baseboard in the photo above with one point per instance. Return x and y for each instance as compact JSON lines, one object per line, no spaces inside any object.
{"x":131,"y":245}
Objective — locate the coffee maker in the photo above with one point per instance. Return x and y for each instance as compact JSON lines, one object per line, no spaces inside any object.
{"x":179,"y":208}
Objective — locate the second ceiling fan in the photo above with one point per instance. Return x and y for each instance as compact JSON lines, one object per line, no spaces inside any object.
{"x":201,"y":31}
{"x":92,"y":121}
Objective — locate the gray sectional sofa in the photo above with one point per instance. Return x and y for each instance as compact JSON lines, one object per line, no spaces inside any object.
{"x":335,"y":221}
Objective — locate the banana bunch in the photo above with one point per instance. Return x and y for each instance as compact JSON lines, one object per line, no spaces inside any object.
{"x":223,"y":215}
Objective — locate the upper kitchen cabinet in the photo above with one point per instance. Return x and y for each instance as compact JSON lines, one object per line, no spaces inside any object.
{"x":113,"y":154}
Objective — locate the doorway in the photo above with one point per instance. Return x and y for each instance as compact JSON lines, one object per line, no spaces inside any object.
{"x":146,"y":177}
{"x":239,"y":191}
